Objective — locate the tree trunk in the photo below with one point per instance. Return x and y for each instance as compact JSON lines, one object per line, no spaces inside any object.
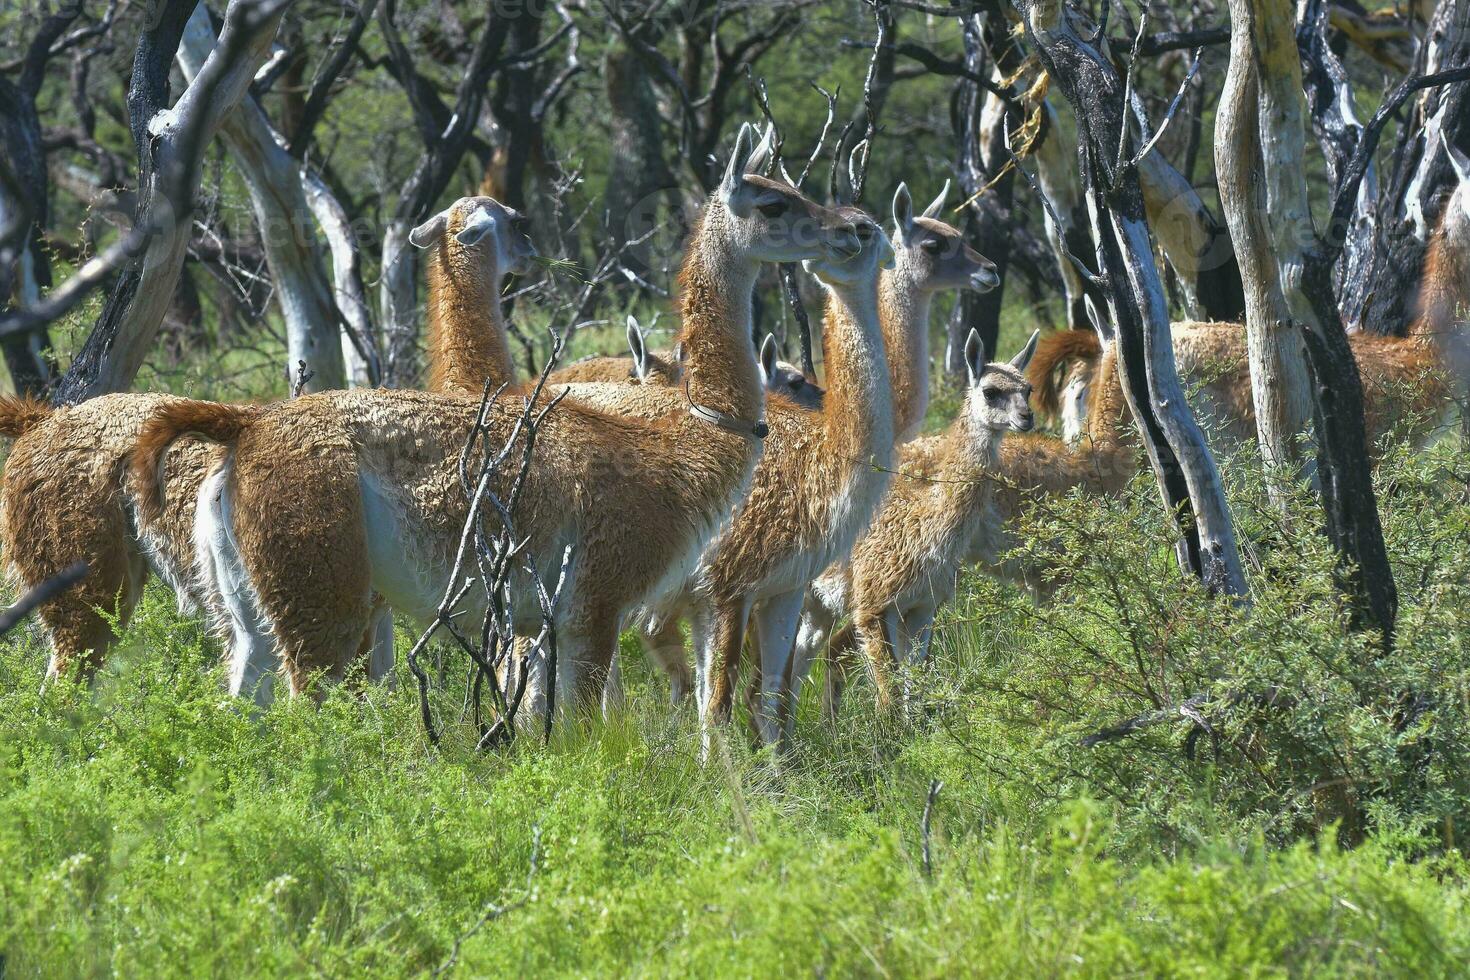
{"x":360,"y":352}
{"x":1421,"y":177}
{"x":639,"y":184}
{"x":25,"y":268}
{"x":292,"y":252}
{"x":1254,"y":121}
{"x":1265,"y":32}
{"x":123,"y":334}
{"x":1056,"y":173}
{"x":1196,"y":246}
{"x":1338,"y":131}
{"x":1188,"y":477}
{"x":979,"y":122}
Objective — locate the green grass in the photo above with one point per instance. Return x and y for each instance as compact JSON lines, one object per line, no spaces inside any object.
{"x":153,"y":826}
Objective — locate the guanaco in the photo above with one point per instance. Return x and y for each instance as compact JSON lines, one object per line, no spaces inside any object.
{"x":327,"y":499}
{"x":64,"y":498}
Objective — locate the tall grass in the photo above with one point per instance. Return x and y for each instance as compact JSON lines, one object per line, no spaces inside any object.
{"x":152,"y":825}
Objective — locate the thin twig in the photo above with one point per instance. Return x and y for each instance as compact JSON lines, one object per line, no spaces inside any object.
{"x":935,"y":785}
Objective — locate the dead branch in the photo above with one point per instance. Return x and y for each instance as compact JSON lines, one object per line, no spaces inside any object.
{"x":498,"y":554}
{"x":326,"y":78}
{"x":171,"y":144}
{"x":40,"y":595}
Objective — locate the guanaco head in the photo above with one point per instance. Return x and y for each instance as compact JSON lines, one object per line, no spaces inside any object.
{"x":999,"y":395}
{"x":484,"y":228}
{"x":786,"y":378}
{"x":934,"y":254}
{"x":770,"y":221}
{"x":848,"y":272}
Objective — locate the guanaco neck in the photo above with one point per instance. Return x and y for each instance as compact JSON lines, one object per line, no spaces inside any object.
{"x":969,"y":458}
{"x":904,"y":313}
{"x":715,"y":284}
{"x":467,"y":344}
{"x":857,"y":410}
{"x":1109,"y":425}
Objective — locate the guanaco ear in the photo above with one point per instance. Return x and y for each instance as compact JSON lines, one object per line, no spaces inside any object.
{"x":430,"y":231}
{"x":1022,"y":359}
{"x":768,"y":359}
{"x":974,"y":357}
{"x":639,"y":349}
{"x":903,"y":213}
{"x":480,"y":224}
{"x":739,"y":157}
{"x":1458,"y":160}
{"x":937,"y":205}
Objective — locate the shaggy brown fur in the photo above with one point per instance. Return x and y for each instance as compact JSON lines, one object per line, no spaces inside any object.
{"x":64,"y":494}
{"x":63,"y":502}
{"x":812,"y":491}
{"x":636,"y":498}
{"x":209,"y":420}
{"x":466,"y":326}
{"x":1403,"y":383}
{"x":1056,"y":353}
{"x":933,"y":520}
{"x":607,"y":368}
{"x":21,"y":414}
{"x":930,"y":257}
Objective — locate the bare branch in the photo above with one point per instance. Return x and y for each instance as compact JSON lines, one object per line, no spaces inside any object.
{"x":40,"y":595}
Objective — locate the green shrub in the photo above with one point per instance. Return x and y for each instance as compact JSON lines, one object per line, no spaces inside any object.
{"x":151,"y":825}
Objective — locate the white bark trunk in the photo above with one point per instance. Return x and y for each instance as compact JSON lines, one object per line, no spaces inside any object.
{"x":364,"y":366}
{"x":163,"y":261}
{"x":1252,"y":129}
{"x":1180,"y":221}
{"x":292,"y":251}
{"x":1219,"y":553}
{"x":398,"y":307}
{"x":1056,"y":172}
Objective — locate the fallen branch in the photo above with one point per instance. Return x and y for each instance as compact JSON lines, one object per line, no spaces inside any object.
{"x":41,"y":594}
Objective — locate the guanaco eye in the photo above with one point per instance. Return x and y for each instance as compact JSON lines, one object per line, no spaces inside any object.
{"x":774,"y":209}
{"x":933,"y":246}
{"x":994,"y":397}
{"x":797,"y":383}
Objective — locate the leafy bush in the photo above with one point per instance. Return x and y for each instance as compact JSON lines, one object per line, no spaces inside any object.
{"x":152,"y":825}
{"x":1299,"y":723}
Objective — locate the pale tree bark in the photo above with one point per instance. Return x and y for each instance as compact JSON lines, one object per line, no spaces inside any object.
{"x":1264,"y":213}
{"x":1193,"y":241}
{"x":1056,"y":172}
{"x":274,"y":180}
{"x":1419,"y":177}
{"x":1264,"y":31}
{"x":170,"y":142}
{"x":1189,"y":480}
{"x":1339,"y":131}
{"x":360,"y":353}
